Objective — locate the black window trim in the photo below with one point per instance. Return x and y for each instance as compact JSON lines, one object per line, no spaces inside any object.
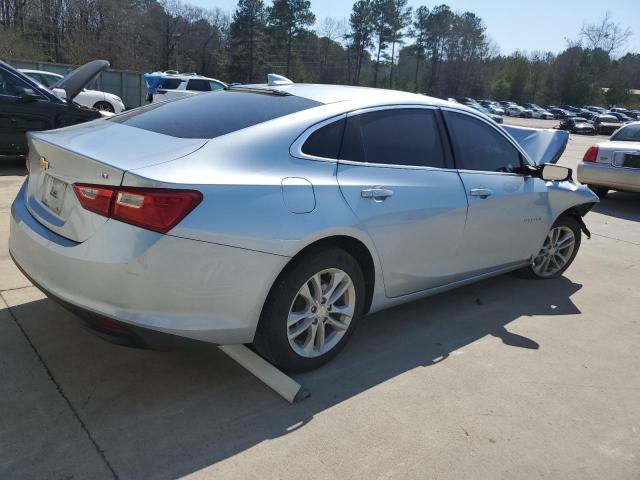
{"x":523,"y":155}
{"x":296,"y":147}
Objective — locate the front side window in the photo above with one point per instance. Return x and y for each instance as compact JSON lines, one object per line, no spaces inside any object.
{"x":478,"y":146}
{"x":216,"y":86}
{"x":11,"y":85}
{"x":403,"y":136}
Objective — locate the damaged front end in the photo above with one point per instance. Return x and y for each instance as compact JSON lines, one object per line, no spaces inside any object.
{"x":542,"y":145}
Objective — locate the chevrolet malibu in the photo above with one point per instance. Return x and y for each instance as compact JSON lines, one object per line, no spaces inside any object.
{"x":280,"y":214}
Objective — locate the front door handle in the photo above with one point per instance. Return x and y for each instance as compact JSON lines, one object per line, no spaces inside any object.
{"x":378,"y":194}
{"x":481,"y":192}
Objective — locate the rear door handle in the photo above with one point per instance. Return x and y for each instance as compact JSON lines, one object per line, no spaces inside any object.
{"x":378,"y":194}
{"x":481,"y":192}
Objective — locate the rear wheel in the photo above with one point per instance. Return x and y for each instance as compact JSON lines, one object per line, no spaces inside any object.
{"x":311,"y":311}
{"x":558,"y":250}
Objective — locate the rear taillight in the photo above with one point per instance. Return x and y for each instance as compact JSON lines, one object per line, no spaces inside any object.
{"x":591,"y":154}
{"x":95,"y":198}
{"x":155,"y":209}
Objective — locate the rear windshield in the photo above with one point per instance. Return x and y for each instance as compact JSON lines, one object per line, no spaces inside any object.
{"x":630,"y":133}
{"x":607,"y":118}
{"x":210,"y":115}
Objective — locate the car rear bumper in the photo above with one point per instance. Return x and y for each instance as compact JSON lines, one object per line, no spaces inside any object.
{"x":193,"y":289}
{"x":606,"y":175}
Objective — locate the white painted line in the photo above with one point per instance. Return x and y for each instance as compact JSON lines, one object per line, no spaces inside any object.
{"x":282,"y":384}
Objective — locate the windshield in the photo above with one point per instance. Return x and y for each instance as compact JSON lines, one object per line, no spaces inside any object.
{"x":630,"y":133}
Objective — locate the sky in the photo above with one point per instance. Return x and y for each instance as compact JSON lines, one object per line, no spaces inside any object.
{"x":528,"y":25}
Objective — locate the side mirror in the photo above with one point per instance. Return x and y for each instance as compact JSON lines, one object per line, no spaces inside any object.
{"x":27,"y":95}
{"x":551,"y":172}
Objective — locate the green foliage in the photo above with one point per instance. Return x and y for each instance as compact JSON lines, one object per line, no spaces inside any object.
{"x":450,"y":54}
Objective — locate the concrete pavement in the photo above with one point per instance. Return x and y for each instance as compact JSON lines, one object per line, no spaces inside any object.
{"x":507,"y":378}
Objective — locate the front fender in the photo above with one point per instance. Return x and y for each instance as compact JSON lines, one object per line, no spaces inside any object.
{"x":569,"y":195}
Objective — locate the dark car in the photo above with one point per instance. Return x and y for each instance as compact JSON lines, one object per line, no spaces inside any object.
{"x":577,"y":125}
{"x":606,"y":124}
{"x":620,"y":116}
{"x":559,"y":113}
{"x":25,"y":105}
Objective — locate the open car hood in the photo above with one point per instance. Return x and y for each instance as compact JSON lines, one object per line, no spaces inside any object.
{"x":75,"y":81}
{"x":542,"y":145}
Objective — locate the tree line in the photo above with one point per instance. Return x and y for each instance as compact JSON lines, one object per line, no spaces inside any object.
{"x":384,"y":43}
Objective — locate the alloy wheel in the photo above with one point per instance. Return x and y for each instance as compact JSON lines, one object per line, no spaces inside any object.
{"x":321,"y":312}
{"x":556,"y":252}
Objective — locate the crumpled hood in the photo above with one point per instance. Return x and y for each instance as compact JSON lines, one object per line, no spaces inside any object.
{"x":542,"y":145}
{"x":75,"y":81}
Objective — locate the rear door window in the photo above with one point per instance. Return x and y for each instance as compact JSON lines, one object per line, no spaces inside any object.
{"x":213,"y":115}
{"x":170,"y":83}
{"x":403,"y":136}
{"x":479,"y":146}
{"x":199,"y":85}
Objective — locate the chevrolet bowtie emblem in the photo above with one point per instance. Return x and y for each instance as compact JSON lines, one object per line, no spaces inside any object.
{"x":44,"y":165}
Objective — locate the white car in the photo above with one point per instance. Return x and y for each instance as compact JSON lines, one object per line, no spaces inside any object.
{"x":541,"y":113}
{"x":614,"y":164}
{"x":172,"y":85}
{"x":104,"y":101}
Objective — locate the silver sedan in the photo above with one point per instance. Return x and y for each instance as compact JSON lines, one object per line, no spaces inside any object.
{"x":280,"y":214}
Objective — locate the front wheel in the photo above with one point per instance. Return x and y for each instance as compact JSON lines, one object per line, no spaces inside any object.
{"x":104,"y":106}
{"x":558,"y":250}
{"x":311,"y":310}
{"x":601,"y":192}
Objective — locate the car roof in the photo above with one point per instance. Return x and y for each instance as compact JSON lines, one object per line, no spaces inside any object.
{"x":26,"y":70}
{"x":344,"y":93}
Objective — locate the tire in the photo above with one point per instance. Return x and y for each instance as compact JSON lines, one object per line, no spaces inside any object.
{"x":600,"y":191}
{"x":104,"y":106}
{"x":285,"y":302}
{"x":568,"y":230}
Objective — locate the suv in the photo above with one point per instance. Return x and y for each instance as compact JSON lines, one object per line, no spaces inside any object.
{"x":169,"y":85}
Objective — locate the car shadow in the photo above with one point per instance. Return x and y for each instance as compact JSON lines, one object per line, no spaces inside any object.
{"x":623,"y":205}
{"x":184,"y":410}
{"x":12,"y":166}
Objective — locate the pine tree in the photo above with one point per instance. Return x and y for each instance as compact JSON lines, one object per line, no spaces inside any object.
{"x":288,"y":19}
{"x":246,"y":38}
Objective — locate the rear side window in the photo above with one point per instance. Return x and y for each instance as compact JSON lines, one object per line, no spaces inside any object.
{"x":199,"y":85}
{"x":170,"y":83}
{"x":214,"y":114}
{"x":408,"y":136}
{"x":325,"y":142}
{"x":478,"y":146}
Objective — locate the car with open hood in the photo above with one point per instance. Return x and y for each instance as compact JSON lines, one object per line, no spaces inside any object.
{"x":578,"y":125}
{"x":280,"y":214}
{"x":613,"y":164}
{"x":97,"y":99}
{"x":26,"y":105}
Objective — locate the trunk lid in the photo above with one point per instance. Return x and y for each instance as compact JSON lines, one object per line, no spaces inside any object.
{"x":619,"y":154}
{"x":98,"y":152}
{"x":542,"y":145}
